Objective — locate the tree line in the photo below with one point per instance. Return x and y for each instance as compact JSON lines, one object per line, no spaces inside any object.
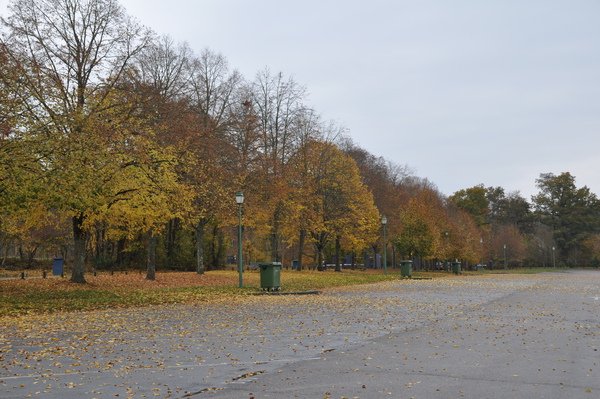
{"x":120,"y":147}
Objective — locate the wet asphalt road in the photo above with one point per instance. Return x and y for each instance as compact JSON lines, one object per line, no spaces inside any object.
{"x":534,"y":336}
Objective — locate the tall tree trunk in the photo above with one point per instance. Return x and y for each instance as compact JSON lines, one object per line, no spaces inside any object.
{"x":217,"y":247}
{"x":319,"y":257}
{"x":171,"y":240}
{"x":220,"y":259}
{"x":275,"y":234}
{"x":98,"y":242}
{"x":64,"y":251}
{"x":5,"y":246}
{"x":212,"y":250}
{"x":375,"y":253}
{"x":320,"y":245}
{"x":120,"y":252}
{"x":151,"y":264}
{"x":275,"y":257}
{"x":108,"y":250}
{"x":200,"y":246}
{"x":338,"y":267}
{"x":301,"y":248}
{"x":31,"y":256}
{"x":79,"y":239}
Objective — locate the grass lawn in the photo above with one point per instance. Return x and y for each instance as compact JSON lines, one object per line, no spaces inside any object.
{"x":37,"y":295}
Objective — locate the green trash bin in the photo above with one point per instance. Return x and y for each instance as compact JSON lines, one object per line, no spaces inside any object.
{"x":406,"y":268}
{"x":456,"y":267}
{"x":270,"y":276}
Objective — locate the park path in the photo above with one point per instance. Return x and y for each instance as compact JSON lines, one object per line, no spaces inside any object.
{"x":474,"y":336}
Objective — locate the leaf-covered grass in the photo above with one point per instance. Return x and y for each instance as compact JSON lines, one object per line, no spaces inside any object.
{"x":37,"y":295}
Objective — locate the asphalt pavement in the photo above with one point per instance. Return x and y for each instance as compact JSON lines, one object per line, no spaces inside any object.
{"x":513,"y":336}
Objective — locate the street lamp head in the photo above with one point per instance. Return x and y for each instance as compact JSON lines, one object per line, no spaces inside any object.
{"x":383,"y":220}
{"x":504,"y":246}
{"x":239,"y":198}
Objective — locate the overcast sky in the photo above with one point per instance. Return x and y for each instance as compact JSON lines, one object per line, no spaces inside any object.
{"x":463,"y":92}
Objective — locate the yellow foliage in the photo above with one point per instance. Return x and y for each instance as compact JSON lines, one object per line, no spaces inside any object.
{"x":329,"y":198}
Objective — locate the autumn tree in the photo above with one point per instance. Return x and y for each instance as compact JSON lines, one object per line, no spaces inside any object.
{"x":218,"y":105}
{"x":417,"y":237}
{"x":391,"y":185}
{"x":466,"y":236}
{"x":425,"y":222}
{"x":333,"y":204}
{"x":279,"y":105}
{"x":508,"y":241}
{"x":591,"y":250}
{"x":20,"y":171}
{"x":160,"y":79}
{"x":71,"y":54}
{"x":301,"y":182}
{"x":155,"y":197}
{"x":34,"y":227}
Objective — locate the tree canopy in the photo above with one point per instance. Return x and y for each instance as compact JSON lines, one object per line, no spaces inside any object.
{"x":132,"y":146}
{"x":572,"y":213}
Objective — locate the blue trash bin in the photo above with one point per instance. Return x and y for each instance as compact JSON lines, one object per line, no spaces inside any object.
{"x":57,"y":266}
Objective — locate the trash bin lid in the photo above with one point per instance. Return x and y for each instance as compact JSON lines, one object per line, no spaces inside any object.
{"x":269,"y":264}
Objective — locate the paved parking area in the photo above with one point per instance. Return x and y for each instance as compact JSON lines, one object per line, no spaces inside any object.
{"x":474,"y":336}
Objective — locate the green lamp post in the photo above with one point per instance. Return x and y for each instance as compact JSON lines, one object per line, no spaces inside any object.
{"x":384,"y":224}
{"x":239,"y":199}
